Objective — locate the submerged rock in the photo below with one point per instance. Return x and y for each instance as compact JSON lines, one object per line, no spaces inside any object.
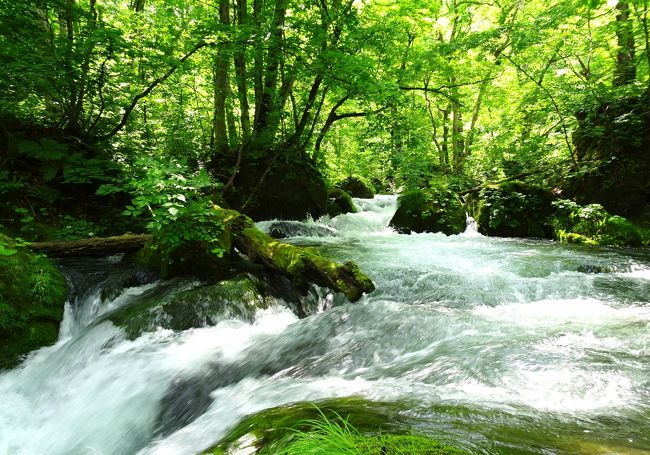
{"x":285,"y":229}
{"x":437,"y":209}
{"x":177,"y":308}
{"x":32,"y":297}
{"x":356,"y":187}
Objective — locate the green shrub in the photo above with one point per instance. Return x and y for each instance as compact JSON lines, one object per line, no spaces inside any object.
{"x":32,"y":296}
{"x":593,"y":225}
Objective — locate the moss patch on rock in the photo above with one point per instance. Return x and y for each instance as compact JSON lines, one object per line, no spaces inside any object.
{"x":356,"y":187}
{"x":437,"y":209}
{"x":512,"y":209}
{"x":593,"y":225}
{"x":32,"y":297}
{"x":339,"y":202}
{"x":238,"y":297}
{"x":366,"y":428}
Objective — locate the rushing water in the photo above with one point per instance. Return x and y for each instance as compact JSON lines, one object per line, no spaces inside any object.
{"x":502,"y":345}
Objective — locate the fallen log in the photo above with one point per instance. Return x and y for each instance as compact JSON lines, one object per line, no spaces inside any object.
{"x":301,"y":265}
{"x":94,"y":246}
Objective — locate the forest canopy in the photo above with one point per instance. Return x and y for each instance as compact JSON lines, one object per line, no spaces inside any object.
{"x":396,"y":92}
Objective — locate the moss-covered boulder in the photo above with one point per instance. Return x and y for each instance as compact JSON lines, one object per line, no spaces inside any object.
{"x":356,"y":187}
{"x":207,"y":256}
{"x":436,"y":210}
{"x":343,"y":425}
{"x":32,"y":297}
{"x":339,"y":202}
{"x":178,"y":308}
{"x":285,"y":188}
{"x":593,"y":225}
{"x":512,"y":209}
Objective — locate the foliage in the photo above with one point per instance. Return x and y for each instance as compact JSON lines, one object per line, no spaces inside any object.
{"x":174,"y":201}
{"x":593,"y":225}
{"x":512,"y":209}
{"x":283,"y":431}
{"x":32,"y":293}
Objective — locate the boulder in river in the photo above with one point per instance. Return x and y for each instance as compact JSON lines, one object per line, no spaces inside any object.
{"x":285,"y":229}
{"x":177,"y":308}
{"x":339,"y":202}
{"x":437,"y":209}
{"x":283,"y":188}
{"x":356,"y":187}
{"x":512,"y":209}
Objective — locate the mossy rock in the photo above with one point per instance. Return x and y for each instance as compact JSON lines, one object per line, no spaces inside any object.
{"x":201,"y":259}
{"x":513,"y":209}
{"x":286,"y":188}
{"x":593,"y":225}
{"x":356,"y":187}
{"x":32,"y":297}
{"x":177,"y":308}
{"x":339,"y":202}
{"x":435,"y":210}
{"x":376,"y":428}
{"x":611,"y":151}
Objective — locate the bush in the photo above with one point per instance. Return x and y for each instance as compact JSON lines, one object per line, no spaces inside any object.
{"x":593,"y":225}
{"x":32,"y":297}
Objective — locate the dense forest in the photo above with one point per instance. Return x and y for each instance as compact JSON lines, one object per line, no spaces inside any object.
{"x":173,"y":131}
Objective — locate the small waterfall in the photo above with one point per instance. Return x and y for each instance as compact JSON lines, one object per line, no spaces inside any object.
{"x":471,"y":229}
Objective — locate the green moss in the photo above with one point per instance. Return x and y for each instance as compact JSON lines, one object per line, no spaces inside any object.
{"x":437,"y":209}
{"x":356,"y":187}
{"x":237,"y":297}
{"x":339,"y":202}
{"x":512,"y":209}
{"x":302,"y":428}
{"x":593,"y":225}
{"x":32,"y":297}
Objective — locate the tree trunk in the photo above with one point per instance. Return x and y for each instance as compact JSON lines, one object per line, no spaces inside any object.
{"x":220,"y":131}
{"x":625,"y":71}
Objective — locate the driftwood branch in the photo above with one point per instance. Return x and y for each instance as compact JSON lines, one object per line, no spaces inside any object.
{"x":95,"y":246}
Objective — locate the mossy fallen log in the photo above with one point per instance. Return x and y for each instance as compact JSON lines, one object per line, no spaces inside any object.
{"x":301,"y":265}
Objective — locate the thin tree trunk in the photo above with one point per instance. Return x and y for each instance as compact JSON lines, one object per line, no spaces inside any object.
{"x":240,"y":75}
{"x":625,"y":69}
{"x":220,"y":130}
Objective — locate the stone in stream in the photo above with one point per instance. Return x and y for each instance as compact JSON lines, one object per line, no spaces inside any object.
{"x":339,"y":203}
{"x":356,"y":187}
{"x":437,"y":209}
{"x":512,"y":209}
{"x":175,"y":307}
{"x":285,"y":229}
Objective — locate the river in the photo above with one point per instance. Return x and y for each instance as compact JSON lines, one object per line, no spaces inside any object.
{"x":502,"y":345}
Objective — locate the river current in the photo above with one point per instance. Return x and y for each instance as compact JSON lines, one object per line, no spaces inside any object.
{"x":501,"y":345}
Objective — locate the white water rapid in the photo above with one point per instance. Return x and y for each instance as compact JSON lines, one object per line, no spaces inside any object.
{"x":502,"y":345}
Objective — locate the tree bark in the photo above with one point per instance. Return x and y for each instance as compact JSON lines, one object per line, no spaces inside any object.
{"x":95,"y":246}
{"x":625,"y":71}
